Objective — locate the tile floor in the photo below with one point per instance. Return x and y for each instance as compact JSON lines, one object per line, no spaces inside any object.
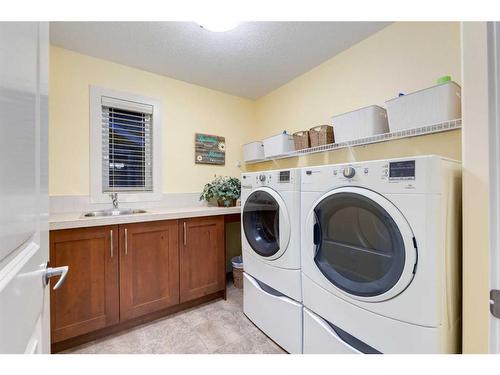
{"x":215,"y":327}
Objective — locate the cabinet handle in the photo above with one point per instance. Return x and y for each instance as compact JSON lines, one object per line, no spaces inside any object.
{"x":185,"y":233}
{"x":126,"y":241}
{"x":111,"y":242}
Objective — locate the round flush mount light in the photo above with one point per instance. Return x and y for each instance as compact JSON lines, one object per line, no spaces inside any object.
{"x":218,"y":26}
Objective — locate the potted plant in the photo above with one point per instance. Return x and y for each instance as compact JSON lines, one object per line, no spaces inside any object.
{"x":224,"y":190}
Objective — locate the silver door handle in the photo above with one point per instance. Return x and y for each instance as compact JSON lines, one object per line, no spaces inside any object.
{"x":185,"y":233}
{"x":111,"y":242}
{"x":57,"y":271}
{"x":126,"y":241}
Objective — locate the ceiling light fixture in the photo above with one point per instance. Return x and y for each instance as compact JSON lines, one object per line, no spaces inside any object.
{"x":218,"y":26}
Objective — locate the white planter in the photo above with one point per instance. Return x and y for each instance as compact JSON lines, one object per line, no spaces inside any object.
{"x":360,"y":123}
{"x":253,"y":151}
{"x":430,"y":106}
{"x":278,"y":145}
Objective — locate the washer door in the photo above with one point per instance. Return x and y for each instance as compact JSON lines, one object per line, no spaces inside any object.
{"x":362,"y":244}
{"x":266,"y":223}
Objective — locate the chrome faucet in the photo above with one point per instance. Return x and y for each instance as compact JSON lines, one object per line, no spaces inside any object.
{"x":114,"y":199}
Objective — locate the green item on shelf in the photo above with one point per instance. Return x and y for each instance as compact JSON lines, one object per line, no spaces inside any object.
{"x":443,"y":79}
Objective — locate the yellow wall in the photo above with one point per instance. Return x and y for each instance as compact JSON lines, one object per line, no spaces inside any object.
{"x":476,"y":244}
{"x":403,"y":57}
{"x":185,"y":109}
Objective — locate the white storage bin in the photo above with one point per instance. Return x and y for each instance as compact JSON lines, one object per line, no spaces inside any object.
{"x":278,"y":145}
{"x":430,"y":106}
{"x":360,"y":123}
{"x":253,"y":151}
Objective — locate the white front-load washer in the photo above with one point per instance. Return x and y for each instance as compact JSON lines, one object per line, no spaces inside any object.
{"x":381,"y":255}
{"x":270,"y":220}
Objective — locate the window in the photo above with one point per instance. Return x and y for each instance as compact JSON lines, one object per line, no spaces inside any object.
{"x":127,"y":163}
{"x":124,"y":146}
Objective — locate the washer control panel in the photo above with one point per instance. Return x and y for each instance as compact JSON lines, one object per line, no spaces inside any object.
{"x":285,"y":179}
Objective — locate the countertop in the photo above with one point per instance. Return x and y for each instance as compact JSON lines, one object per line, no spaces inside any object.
{"x":75,"y":219}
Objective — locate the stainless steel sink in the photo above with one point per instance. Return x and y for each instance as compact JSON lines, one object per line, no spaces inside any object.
{"x":116,"y":212}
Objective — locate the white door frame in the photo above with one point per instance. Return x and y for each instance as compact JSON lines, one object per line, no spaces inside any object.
{"x":494,"y":125}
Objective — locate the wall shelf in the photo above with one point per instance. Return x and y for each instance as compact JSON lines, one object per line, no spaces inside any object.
{"x":424,"y":130}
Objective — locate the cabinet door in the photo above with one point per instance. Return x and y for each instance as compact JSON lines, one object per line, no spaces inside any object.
{"x":89,"y":299}
{"x":149,"y":267}
{"x":201,"y":257}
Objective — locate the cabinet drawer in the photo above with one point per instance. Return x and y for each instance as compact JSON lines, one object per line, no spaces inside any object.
{"x":320,"y":337}
{"x":276,"y":315}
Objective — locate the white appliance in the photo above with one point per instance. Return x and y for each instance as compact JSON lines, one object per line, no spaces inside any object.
{"x":381,"y":255}
{"x":24,"y":297}
{"x":270,"y":221}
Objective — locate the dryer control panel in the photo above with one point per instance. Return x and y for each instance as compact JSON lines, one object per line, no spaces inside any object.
{"x":284,"y":179}
{"x":413,"y":174}
{"x":402,"y":170}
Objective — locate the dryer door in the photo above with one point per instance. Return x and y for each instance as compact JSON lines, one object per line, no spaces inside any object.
{"x":266,"y":223}
{"x":362,"y":244}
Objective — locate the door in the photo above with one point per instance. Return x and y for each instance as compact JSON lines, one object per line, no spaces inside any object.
{"x":266,"y":223}
{"x":149,"y":267}
{"x":494,"y":94}
{"x":23,"y":187}
{"x":89,"y":299}
{"x":362,"y":244}
{"x":201,"y":258}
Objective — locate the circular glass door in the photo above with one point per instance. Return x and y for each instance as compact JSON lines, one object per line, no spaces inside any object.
{"x":261,"y":223}
{"x":359,"y":246}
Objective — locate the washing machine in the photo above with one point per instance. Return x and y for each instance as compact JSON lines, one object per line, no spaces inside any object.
{"x":381,"y":256}
{"x":270,"y":220}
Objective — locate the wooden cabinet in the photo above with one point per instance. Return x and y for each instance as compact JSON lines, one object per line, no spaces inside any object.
{"x":89,"y":299}
{"x":202,"y":257}
{"x":121,"y":275}
{"x":149,"y":267}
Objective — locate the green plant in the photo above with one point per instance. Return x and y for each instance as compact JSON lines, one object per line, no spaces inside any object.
{"x":222,"y":189}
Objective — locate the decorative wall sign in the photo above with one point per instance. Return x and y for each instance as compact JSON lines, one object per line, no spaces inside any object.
{"x":209,"y":149}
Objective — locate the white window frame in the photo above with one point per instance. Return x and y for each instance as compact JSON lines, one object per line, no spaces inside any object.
{"x":96,"y":193}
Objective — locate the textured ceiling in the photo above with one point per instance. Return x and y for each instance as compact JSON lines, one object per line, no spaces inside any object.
{"x":250,"y":60}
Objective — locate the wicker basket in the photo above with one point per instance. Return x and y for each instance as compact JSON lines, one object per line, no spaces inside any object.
{"x":301,"y":140}
{"x":237,"y":263}
{"x":321,"y":135}
{"x":238,"y":277}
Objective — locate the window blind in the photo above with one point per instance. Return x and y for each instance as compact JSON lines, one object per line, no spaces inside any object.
{"x":127,"y":160}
